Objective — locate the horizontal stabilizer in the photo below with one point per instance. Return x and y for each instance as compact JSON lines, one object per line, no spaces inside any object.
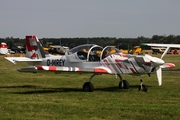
{"x":21,"y":59}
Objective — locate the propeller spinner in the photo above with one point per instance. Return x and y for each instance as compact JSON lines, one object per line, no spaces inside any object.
{"x":157,"y":62}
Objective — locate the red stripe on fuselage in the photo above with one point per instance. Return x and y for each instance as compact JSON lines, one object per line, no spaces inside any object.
{"x":123,"y":55}
{"x":98,"y":70}
{"x":133,"y":71}
{"x":118,"y":63}
{"x":40,"y":68}
{"x":52,"y":68}
{"x":148,"y":63}
{"x":106,"y":61}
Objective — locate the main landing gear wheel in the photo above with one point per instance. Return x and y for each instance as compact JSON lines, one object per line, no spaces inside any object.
{"x":88,"y":87}
{"x":123,"y":84}
{"x":143,"y":88}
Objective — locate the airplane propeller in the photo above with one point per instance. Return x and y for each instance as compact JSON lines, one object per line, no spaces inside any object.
{"x":159,"y":75}
{"x":157,"y":63}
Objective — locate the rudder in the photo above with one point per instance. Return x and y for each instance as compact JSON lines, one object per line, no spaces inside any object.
{"x":34,"y":49}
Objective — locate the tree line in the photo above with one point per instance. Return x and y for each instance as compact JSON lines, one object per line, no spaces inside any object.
{"x":121,"y":43}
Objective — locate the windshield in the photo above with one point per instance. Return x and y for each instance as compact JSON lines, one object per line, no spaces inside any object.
{"x":92,"y":52}
{"x":83,"y":48}
{"x":108,"y":50}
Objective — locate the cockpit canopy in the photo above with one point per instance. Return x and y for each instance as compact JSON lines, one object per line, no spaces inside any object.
{"x":92,"y":52}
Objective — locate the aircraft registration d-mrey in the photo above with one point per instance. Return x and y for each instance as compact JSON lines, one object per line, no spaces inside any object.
{"x":93,"y":59}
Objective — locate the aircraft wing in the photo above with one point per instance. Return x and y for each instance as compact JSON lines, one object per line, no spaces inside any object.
{"x":162,"y":45}
{"x":103,"y":70}
{"x":168,"y":65}
{"x":21,"y":59}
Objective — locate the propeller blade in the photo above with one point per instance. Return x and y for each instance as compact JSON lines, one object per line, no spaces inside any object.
{"x":159,"y":75}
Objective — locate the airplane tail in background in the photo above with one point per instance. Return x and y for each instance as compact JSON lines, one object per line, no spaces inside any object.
{"x":34,"y":49}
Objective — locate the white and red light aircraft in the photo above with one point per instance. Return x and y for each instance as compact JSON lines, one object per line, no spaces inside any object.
{"x":84,"y":58}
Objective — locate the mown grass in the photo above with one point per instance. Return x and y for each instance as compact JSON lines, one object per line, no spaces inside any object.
{"x":59,"y":96}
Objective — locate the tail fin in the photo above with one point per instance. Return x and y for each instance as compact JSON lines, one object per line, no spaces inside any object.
{"x":34,"y":49}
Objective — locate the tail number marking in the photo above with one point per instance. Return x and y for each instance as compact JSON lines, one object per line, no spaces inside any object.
{"x":55,"y":62}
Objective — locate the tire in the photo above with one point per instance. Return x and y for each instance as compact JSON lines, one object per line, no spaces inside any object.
{"x":88,"y":87}
{"x":144,"y":88}
{"x":125,"y":86}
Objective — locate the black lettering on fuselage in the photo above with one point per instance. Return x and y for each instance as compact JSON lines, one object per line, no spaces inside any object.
{"x":55,"y":62}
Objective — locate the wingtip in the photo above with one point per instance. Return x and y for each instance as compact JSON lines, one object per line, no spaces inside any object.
{"x":11,"y":60}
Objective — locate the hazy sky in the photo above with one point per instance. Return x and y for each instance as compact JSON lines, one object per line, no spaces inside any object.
{"x":89,"y":18}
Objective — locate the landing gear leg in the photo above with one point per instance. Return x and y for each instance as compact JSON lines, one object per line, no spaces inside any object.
{"x":142,"y":87}
{"x":123,"y":84}
{"x":88,"y":86}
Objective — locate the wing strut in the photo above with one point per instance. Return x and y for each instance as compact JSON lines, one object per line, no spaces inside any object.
{"x":165,"y":52}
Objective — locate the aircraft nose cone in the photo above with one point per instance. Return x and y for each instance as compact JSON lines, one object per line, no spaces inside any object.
{"x":156,"y":61}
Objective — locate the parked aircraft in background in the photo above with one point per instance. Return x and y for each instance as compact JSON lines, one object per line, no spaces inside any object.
{"x":83,"y":58}
{"x":158,"y":50}
{"x":9,"y":48}
{"x":3,"y":48}
{"x":57,"y":49}
{"x":13,"y":48}
{"x":136,"y":50}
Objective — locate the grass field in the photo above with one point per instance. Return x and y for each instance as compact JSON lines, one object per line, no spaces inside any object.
{"x":45,"y":96}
